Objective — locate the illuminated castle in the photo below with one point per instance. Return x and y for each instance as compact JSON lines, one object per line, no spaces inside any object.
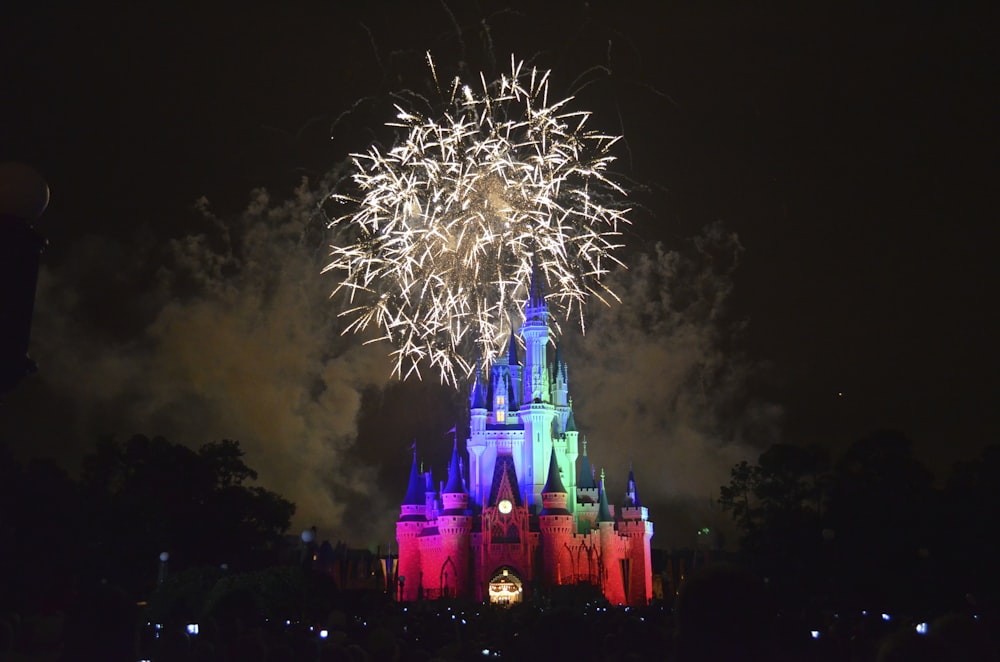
{"x":525,"y":518}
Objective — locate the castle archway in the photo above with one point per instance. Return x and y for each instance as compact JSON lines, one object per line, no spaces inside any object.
{"x":505,"y":587}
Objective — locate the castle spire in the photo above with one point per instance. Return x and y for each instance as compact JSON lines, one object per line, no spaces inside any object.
{"x":571,"y":427}
{"x":603,"y":511}
{"x":554,"y":482}
{"x":512,"y":348}
{"x":414,"y":491}
{"x":586,"y":478}
{"x":631,"y":493}
{"x":454,"y":485}
{"x":560,"y":365}
{"x":537,"y":294}
{"x":478,"y":398}
{"x":535,"y":307}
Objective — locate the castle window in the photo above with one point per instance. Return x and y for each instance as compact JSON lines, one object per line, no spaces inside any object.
{"x":501,"y":416}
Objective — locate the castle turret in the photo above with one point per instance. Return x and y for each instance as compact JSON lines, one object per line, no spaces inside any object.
{"x":637,"y":528}
{"x":477,"y":395}
{"x":560,"y":383}
{"x":454,"y":525}
{"x":613,"y":571}
{"x":476,"y":444}
{"x":556,"y":526}
{"x":631,"y":493}
{"x":571,"y":434}
{"x":412,"y":521}
{"x":515,"y":370}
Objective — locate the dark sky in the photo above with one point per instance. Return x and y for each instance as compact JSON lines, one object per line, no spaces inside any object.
{"x":822,"y":180}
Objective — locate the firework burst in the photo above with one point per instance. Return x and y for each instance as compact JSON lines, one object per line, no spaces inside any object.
{"x":445,"y":228}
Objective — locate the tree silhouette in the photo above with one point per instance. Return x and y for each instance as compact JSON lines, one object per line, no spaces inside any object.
{"x":148,"y":496}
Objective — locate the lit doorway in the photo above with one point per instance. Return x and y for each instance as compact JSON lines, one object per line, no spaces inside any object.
{"x":506,"y":588}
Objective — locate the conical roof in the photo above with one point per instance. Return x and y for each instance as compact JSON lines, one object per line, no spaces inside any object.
{"x":414,"y":491}
{"x":478,"y":390}
{"x":571,"y":424}
{"x":512,"y":349}
{"x":603,"y":511}
{"x":632,"y":492}
{"x":454,"y":485}
{"x":554,"y":482}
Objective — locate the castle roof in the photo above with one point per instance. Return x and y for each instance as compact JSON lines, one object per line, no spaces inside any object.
{"x":571,"y":425}
{"x":554,"y":482}
{"x":632,"y":493}
{"x":535,"y":308}
{"x":603,"y":511}
{"x":414,"y":491}
{"x":504,"y":467}
{"x":537,"y":294}
{"x":559,"y":365}
{"x":454,"y":485}
{"x":512,"y":349}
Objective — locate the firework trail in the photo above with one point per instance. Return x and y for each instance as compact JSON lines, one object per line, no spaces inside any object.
{"x":443,"y":231}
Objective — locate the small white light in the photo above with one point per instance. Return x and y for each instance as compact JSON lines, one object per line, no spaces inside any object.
{"x":886,"y":617}
{"x":486,"y":651}
{"x":921,"y":628}
{"x":192,"y":628}
{"x":814,"y":634}
{"x":323,"y":634}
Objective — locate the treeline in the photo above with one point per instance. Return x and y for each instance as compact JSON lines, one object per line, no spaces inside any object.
{"x":131,"y":502}
{"x":870,"y":529}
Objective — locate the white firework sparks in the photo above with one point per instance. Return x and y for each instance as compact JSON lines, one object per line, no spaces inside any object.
{"x":438,"y":248}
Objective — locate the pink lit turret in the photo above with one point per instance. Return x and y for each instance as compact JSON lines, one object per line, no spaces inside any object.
{"x":556,"y":526}
{"x":635,"y":525}
{"x":412,"y":521}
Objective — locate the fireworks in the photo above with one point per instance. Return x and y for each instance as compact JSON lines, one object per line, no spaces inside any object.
{"x":445,"y":228}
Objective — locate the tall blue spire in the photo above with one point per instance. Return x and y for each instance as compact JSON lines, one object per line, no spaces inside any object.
{"x":631,"y":493}
{"x":454,"y":485}
{"x":414,"y":491}
{"x":478,"y":397}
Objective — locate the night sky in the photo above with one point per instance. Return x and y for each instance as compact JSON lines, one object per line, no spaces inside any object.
{"x":811,"y":256}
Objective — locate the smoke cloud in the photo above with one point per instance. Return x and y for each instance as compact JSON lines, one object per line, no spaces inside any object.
{"x":657,"y":382}
{"x":227,"y":332}
{"x":235,"y":339}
